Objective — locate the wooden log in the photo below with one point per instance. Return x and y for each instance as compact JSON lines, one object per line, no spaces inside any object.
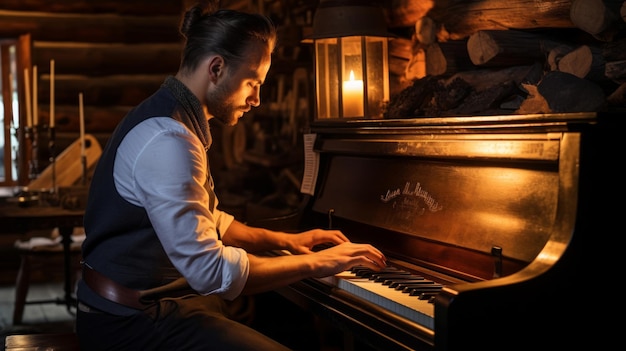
{"x":397,"y":66}
{"x":556,"y":54}
{"x":404,"y":13}
{"x":416,"y":67}
{"x":483,"y":102}
{"x":435,"y":60}
{"x":98,"y":119}
{"x":616,"y":71}
{"x":461,"y":19}
{"x":584,"y":62}
{"x":400,"y":53}
{"x":506,"y":48}
{"x":97,"y":59}
{"x":615,"y":50}
{"x":447,"y":58}
{"x":124,"y":90}
{"x":400,"y":47}
{"x":90,"y":28}
{"x":483,"y":79}
{"x":560,"y":92}
{"x":456,"y":56}
{"x":599,"y":18}
{"x":618,"y":97}
{"x":491,"y":86}
{"x":426,"y":30}
{"x":534,"y":102}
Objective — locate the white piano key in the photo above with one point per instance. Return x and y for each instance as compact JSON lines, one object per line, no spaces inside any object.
{"x":410,"y":307}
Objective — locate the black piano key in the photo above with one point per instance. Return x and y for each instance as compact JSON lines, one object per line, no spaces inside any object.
{"x":425,"y":285}
{"x":364,"y":272}
{"x":427,"y":295}
{"x":382,"y":277}
{"x":388,"y":272}
{"x":422,"y":289}
{"x":414,"y":284}
{"x":393,"y":282}
{"x":400,"y":284}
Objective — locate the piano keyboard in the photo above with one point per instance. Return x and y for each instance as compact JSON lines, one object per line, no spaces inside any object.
{"x":400,"y":292}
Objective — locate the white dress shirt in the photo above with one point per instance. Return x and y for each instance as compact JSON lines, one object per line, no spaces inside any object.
{"x":162,"y":166}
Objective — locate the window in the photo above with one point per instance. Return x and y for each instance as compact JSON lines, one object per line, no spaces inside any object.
{"x":14,"y":57}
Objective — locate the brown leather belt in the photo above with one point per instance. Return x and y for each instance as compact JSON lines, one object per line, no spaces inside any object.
{"x":137,"y":299}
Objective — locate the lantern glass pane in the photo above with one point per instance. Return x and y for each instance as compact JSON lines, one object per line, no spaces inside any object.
{"x":377,"y":75}
{"x":327,"y":77}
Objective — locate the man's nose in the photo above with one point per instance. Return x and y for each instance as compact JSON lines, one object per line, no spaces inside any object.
{"x":254,"y":100}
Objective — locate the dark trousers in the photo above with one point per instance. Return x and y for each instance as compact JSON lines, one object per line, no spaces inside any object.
{"x":187,"y":323}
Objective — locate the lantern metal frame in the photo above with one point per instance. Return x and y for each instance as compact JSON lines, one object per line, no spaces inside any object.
{"x":351,"y":59}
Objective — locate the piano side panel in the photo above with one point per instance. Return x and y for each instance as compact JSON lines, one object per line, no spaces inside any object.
{"x":548,"y":304}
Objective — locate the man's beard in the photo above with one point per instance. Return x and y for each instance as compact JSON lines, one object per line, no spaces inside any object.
{"x":220,"y":106}
{"x":225,"y":114}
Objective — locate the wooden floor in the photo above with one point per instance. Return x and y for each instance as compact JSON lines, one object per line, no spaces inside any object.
{"x":38,"y":318}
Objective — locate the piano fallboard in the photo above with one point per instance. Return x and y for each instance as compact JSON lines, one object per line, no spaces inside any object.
{"x":502,"y":211}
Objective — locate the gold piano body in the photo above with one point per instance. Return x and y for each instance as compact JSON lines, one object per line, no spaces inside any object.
{"x":508,"y":213}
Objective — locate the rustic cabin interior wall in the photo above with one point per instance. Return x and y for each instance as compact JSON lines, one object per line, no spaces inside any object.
{"x":475,"y":57}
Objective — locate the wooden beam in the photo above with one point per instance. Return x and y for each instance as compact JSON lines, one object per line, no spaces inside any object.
{"x":90,"y":28}
{"x":100,"y":91}
{"x":100,"y":119}
{"x":134,"y":7}
{"x":98,"y":59}
{"x":464,"y":18}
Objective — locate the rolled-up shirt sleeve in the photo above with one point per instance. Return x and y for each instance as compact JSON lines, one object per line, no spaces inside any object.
{"x":162,"y":167}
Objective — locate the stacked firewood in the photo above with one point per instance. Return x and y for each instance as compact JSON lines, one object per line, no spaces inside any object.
{"x":510,"y":57}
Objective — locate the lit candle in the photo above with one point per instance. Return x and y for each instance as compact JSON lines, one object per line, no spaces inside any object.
{"x":29,"y":117}
{"x":51,"y":93}
{"x":35,"y":102}
{"x":82,"y":124}
{"x":352,"y":97}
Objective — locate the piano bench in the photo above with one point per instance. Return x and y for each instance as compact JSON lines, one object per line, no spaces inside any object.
{"x":57,"y":342}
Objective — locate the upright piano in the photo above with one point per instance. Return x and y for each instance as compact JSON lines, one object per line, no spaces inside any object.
{"x":505,"y":218}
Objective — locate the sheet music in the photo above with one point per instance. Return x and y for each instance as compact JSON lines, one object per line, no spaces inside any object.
{"x":311,"y":165}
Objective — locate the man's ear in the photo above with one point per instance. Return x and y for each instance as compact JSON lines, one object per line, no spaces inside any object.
{"x":216,"y":67}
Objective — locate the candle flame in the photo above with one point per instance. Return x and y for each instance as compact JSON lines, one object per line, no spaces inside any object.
{"x":352,"y":75}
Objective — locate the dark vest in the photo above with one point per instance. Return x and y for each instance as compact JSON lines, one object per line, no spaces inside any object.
{"x":121,"y":242}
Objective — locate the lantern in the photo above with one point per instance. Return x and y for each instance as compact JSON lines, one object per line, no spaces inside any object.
{"x":351,"y":59}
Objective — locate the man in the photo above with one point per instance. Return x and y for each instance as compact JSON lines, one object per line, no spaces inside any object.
{"x":152,"y":223}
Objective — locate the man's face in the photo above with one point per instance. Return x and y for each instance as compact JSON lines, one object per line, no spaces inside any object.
{"x":238,"y":90}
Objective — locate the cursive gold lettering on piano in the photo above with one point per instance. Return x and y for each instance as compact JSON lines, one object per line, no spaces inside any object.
{"x":417,"y":192}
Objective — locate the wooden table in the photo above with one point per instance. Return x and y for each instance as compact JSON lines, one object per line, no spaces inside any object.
{"x":17,"y":219}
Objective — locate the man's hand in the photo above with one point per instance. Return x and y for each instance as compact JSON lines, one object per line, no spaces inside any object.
{"x":344,"y":256}
{"x":304,"y":242}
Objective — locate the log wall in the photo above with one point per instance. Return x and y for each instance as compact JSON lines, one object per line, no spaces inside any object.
{"x":118,"y":52}
{"x":115,"y":52}
{"x":502,"y":51}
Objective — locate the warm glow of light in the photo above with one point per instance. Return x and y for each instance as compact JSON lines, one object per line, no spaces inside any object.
{"x":352,"y":97}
